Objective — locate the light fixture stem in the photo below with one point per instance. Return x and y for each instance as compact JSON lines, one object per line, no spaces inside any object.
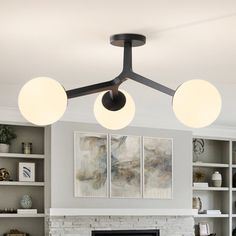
{"x":127,"y":61}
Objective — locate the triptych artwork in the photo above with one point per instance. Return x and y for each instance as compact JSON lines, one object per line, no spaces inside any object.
{"x":122,"y":166}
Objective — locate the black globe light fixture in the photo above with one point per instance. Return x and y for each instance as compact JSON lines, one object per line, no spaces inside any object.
{"x":43,"y":101}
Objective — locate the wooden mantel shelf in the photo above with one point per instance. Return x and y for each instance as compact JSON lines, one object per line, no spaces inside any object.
{"x":119,"y":212}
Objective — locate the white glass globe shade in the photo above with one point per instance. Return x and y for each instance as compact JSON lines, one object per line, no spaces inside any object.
{"x":197,"y":103}
{"x":114,"y":120}
{"x":42,"y":101}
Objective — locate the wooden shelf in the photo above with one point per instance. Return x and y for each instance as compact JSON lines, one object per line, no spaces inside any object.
{"x":211,"y":189}
{"x":214,"y":165}
{"x":40,"y":215}
{"x":233,"y":166}
{"x":17,"y":183}
{"x":20,"y":155}
{"x":211,"y":216}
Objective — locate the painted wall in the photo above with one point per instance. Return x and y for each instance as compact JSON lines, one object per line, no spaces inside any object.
{"x":62,"y":165}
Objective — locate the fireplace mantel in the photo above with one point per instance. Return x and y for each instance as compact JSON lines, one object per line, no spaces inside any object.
{"x":120,"y":212}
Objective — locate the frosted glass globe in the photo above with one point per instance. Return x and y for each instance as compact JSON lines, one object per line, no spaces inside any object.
{"x":197,"y":103}
{"x":42,"y":101}
{"x":114,"y":120}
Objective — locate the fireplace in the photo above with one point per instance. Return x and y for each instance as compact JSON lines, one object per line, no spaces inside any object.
{"x":152,"y":232}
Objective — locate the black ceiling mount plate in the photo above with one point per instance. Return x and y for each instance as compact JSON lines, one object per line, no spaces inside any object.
{"x":119,"y":40}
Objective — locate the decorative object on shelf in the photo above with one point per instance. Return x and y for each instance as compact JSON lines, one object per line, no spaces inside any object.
{"x":212,"y":212}
{"x":197,"y":203}
{"x":200,"y":184}
{"x":234,"y":232}
{"x":51,"y":99}
{"x":6,"y":136}
{"x":198,"y":175}
{"x":204,"y":229}
{"x":4,"y":175}
{"x":15,"y":232}
{"x":26,"y":202}
{"x":157,"y":154}
{"x":91,"y":161}
{"x":26,"y":171}
{"x":27,"y":148}
{"x":27,"y":211}
{"x":8,"y":211}
{"x":198,"y":148}
{"x":126,"y":166}
{"x":234,"y":180}
{"x":216,"y":179}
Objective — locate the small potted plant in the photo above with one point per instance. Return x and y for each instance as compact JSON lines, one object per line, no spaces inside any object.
{"x":6,"y":136}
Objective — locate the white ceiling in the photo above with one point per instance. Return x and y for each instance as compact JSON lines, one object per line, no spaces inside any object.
{"x":69,"y":41}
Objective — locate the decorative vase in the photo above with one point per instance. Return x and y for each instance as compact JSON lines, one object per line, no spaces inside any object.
{"x":4,"y":148}
{"x":26,"y":202}
{"x":197,"y":203}
{"x":216,"y":179}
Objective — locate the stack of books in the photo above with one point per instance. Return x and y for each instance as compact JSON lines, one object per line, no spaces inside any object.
{"x":212,"y":212}
{"x":27,"y":211}
{"x":200,"y":184}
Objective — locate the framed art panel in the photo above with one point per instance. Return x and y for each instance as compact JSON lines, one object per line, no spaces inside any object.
{"x":26,"y":171}
{"x":91,"y":164}
{"x":157,"y":162}
{"x":125,"y":180}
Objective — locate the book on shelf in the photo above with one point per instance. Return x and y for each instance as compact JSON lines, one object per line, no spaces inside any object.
{"x":212,"y":212}
{"x":200,"y":184}
{"x":27,"y":211}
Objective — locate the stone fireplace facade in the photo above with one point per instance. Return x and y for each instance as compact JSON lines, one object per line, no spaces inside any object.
{"x":84,"y":225}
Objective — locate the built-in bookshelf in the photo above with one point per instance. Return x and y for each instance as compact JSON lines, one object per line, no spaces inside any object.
{"x":12,"y":191}
{"x":217,"y":156}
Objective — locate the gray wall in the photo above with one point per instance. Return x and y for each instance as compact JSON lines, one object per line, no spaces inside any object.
{"x":62,"y":163}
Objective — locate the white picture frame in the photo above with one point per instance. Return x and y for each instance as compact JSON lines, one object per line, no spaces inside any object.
{"x":160,"y":146}
{"x":126,"y":187}
{"x":84,"y":185}
{"x":26,"y":172}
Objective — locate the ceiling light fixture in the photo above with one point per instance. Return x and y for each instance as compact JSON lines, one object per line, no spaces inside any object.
{"x":196,"y":103}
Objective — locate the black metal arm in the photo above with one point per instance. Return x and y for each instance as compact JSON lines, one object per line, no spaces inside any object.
{"x":95,"y":88}
{"x":150,"y":83}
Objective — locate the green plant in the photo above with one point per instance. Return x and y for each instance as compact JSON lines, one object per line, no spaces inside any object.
{"x":6,"y":134}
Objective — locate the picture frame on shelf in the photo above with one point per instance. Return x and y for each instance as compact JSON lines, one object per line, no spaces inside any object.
{"x":26,"y":172}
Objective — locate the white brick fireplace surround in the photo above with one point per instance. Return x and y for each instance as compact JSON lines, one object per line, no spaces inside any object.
{"x":83,"y":225}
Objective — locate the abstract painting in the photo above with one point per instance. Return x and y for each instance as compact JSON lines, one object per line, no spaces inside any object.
{"x":90,"y":165}
{"x":157,"y":168}
{"x":125,"y":166}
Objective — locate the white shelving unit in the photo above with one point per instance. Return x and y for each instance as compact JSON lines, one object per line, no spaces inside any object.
{"x":19,"y":155}
{"x":22,"y":215}
{"x":12,"y":191}
{"x":211,"y":189}
{"x":17,"y":183}
{"x":211,"y":216}
{"x":201,"y":164}
{"x":217,"y":156}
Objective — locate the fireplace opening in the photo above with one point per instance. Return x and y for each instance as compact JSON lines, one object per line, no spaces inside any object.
{"x":149,"y":232}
